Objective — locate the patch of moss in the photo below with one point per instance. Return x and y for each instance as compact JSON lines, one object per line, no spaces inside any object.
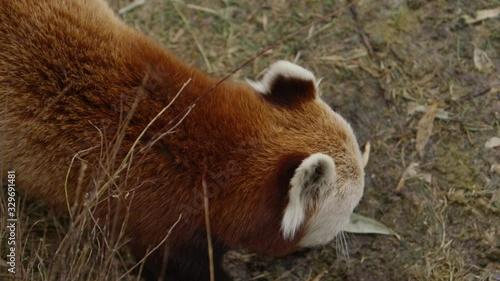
{"x":455,"y":165}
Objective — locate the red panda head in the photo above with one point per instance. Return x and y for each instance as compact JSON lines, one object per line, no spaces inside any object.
{"x":327,"y":178}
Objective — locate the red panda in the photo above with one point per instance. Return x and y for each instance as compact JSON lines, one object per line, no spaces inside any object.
{"x":78,"y":87}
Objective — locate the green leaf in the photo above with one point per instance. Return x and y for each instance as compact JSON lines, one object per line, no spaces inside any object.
{"x":362,"y":225}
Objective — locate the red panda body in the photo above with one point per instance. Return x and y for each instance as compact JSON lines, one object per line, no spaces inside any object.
{"x":79,"y":88}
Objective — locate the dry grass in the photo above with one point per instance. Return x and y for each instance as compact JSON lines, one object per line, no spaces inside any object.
{"x":397,"y":56}
{"x":74,"y":245}
{"x":54,"y":247}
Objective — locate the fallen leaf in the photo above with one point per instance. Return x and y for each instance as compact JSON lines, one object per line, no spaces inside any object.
{"x":427,"y":78}
{"x":264,"y":21}
{"x":492,"y":143}
{"x":362,"y":225}
{"x":413,"y":107}
{"x":203,"y":9}
{"x":427,"y":177}
{"x":319,"y":276}
{"x":482,"y":15}
{"x":310,"y":33}
{"x":410,"y":171}
{"x":456,"y":196}
{"x":352,"y":55}
{"x":134,"y":5}
{"x":482,"y":62}
{"x":177,"y":35}
{"x":424,"y":129}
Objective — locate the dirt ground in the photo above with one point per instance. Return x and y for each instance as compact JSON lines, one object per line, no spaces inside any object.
{"x":384,"y":64}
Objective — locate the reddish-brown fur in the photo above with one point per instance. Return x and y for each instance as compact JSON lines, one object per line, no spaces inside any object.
{"x":71,"y":75}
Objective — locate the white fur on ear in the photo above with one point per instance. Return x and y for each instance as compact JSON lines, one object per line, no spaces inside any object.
{"x":314,"y":176}
{"x":281,"y":68}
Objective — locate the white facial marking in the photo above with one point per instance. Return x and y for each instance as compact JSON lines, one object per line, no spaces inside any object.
{"x":333,"y":214}
{"x":306,"y":187}
{"x":281,"y":68}
{"x":336,"y":206}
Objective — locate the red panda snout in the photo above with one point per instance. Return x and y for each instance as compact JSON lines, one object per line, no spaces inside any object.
{"x":319,"y":201}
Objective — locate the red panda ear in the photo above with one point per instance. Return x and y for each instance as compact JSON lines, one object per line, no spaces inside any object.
{"x":286,"y":84}
{"x":314,"y":176}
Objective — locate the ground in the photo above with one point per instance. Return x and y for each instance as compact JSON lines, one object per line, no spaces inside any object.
{"x":384,"y":64}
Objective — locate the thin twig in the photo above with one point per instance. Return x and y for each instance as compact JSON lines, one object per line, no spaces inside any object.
{"x":132,"y":6}
{"x":479,"y":93}
{"x":207,"y":221}
{"x":154,"y":249}
{"x":150,"y":144}
{"x":66,"y":179}
{"x":131,"y":150}
{"x":203,"y":9}
{"x":319,"y":276}
{"x":361,"y":32}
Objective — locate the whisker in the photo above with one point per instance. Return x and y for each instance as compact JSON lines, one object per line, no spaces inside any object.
{"x":345,"y":248}
{"x":337,"y":251}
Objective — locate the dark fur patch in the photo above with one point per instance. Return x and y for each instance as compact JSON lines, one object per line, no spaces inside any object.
{"x":291,"y":92}
{"x":186,"y":263}
{"x":286,"y":168}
